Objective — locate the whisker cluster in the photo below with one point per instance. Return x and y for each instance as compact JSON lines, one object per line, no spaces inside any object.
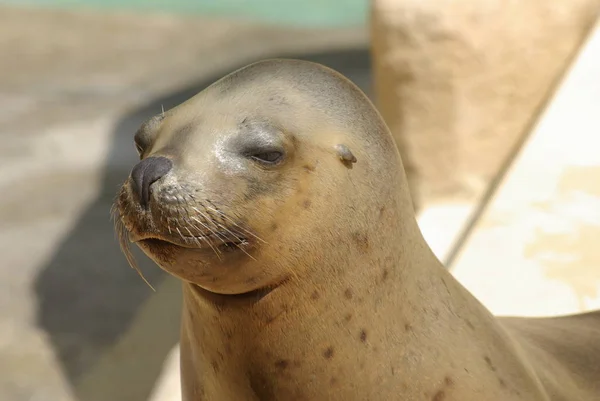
{"x":189,"y":219}
{"x":122,"y":235}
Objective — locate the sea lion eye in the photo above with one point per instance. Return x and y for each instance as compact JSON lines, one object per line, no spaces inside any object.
{"x":270,"y":157}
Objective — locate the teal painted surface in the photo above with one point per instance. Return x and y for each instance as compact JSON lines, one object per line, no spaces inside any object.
{"x":309,"y":13}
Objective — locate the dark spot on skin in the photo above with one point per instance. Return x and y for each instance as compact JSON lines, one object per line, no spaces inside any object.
{"x":363,"y":335}
{"x":215,"y":366}
{"x":314,"y":295}
{"x":439,"y":396}
{"x":261,"y":386}
{"x":502,"y":383}
{"x":281,"y":364}
{"x":381,"y":211}
{"x":489,"y":363}
{"x":362,"y":241}
{"x":448,"y":380}
{"x":393,"y":371}
{"x":470,"y":325}
{"x":274,"y":227}
{"x":348,"y":317}
{"x":407,"y":327}
{"x":348,"y":293}
{"x":306,"y":204}
{"x":436,"y":313}
{"x":328,"y":353}
{"x":308,"y":168}
{"x":333,"y":381}
{"x":385,"y":274}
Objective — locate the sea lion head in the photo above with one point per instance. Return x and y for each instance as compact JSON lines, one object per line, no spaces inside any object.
{"x":275,"y":168}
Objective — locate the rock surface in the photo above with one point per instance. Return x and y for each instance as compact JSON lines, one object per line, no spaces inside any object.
{"x":460,"y":82}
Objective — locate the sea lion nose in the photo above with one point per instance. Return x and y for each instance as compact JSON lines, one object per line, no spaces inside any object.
{"x":147,"y":172}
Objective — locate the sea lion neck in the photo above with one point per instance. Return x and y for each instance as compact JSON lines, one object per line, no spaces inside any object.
{"x":253,"y":346}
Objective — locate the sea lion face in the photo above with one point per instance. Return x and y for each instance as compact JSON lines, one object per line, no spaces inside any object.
{"x":247,"y":183}
{"x":219,"y":199}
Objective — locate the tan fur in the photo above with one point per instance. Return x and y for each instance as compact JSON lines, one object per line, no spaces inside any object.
{"x":346,"y":301}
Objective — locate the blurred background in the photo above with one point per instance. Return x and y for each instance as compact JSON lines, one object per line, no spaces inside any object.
{"x":493,"y":105}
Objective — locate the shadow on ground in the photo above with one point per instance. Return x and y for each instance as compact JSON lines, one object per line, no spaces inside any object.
{"x":87,"y":294}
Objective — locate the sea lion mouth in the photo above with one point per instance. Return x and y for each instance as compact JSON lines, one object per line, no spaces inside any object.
{"x":214,"y":241}
{"x":168,"y":228}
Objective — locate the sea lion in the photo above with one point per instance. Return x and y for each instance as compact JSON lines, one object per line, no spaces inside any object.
{"x":278,"y":197}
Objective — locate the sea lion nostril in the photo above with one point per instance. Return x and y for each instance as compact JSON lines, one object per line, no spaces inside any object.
{"x":147,"y":172}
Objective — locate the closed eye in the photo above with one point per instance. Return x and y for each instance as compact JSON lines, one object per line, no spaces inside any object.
{"x":271,"y":157}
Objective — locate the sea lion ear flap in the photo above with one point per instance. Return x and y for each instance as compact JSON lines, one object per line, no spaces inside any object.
{"x":345,"y":155}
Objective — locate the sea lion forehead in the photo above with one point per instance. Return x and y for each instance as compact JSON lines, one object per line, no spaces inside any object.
{"x":285,"y":84}
{"x":293,"y":74}
{"x":300,"y":98}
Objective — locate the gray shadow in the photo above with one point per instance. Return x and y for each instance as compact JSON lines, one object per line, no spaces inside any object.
{"x":88,"y":296}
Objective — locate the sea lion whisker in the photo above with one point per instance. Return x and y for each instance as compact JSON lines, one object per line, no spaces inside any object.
{"x":124,"y":243}
{"x":211,"y":230}
{"x":208,"y":219}
{"x":239,"y":246}
{"x":237,"y":225}
{"x":217,"y":224}
{"x":197,"y":240}
{"x":216,"y":250}
{"x":180,"y":234}
{"x":235,"y":235}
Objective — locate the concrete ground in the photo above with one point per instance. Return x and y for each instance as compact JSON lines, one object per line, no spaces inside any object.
{"x":76,"y":323}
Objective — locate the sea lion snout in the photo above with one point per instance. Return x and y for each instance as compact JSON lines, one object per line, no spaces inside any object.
{"x":146,"y":173}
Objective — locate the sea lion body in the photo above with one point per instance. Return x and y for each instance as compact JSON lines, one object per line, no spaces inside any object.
{"x":277,"y":196}
{"x":563,"y":351}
